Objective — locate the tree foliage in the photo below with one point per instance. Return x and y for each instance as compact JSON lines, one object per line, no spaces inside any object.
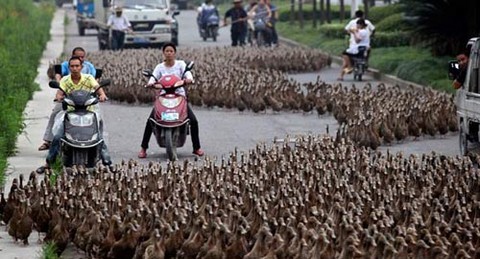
{"x":444,"y":25}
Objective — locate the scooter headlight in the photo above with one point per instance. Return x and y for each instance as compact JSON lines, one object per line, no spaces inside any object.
{"x":171,"y":103}
{"x":81,"y":120}
{"x":94,"y":137}
{"x":68,"y":135}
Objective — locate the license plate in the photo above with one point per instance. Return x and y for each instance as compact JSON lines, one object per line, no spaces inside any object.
{"x":170,"y":116}
{"x":140,"y":40}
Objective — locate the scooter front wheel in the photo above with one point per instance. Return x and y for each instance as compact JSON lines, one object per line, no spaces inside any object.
{"x":170,"y":145}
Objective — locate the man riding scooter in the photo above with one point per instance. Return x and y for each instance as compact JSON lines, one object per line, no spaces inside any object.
{"x":208,"y":13}
{"x":75,"y":81}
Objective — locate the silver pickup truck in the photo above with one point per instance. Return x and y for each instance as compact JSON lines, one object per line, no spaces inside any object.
{"x":467,"y":99}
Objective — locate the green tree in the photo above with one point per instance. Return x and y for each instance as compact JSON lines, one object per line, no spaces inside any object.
{"x":444,"y":25}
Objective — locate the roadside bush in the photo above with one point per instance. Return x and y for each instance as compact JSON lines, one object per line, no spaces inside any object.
{"x":392,"y":23}
{"x":284,"y":13}
{"x":388,"y":59}
{"x":421,"y":71}
{"x":334,"y":47}
{"x":390,"y":39}
{"x":333,"y":30}
{"x":377,"y":13}
{"x":27,"y":26}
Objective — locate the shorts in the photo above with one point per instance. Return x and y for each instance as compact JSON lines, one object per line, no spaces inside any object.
{"x":350,"y":54}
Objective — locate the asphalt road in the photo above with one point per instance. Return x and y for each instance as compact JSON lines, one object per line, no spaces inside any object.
{"x":223,"y":130}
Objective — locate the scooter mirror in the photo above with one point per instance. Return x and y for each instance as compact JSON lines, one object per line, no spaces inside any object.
{"x":105,"y":82}
{"x":189,"y":66}
{"x":453,"y":69}
{"x":147,"y":72}
{"x":54,"y":84}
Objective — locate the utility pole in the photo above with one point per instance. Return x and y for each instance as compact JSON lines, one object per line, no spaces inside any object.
{"x":353,"y":8}
{"x":300,"y":13}
{"x":292,"y":11}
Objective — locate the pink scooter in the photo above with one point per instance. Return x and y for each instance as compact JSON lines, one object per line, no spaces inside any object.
{"x":170,"y":121}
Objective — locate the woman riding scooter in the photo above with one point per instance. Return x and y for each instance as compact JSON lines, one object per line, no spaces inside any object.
{"x":171,"y":66}
{"x":362,"y":39}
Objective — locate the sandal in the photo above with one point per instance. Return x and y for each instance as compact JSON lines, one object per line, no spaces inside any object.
{"x":348,"y":70}
{"x":44,"y":146}
{"x":142,"y":153}
{"x":198,"y":152}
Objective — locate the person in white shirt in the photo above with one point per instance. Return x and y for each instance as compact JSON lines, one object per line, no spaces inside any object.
{"x":119,"y":25}
{"x":361,"y":37}
{"x":172,"y":66}
{"x":353,"y":25}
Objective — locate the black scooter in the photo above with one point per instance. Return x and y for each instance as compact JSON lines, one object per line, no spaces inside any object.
{"x":360,"y":63}
{"x":82,"y":141}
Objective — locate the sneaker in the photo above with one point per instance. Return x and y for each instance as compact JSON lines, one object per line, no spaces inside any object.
{"x":42,"y":169}
{"x":142,"y":153}
{"x":198,"y":152}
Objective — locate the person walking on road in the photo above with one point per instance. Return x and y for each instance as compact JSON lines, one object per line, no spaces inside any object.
{"x":238,"y":17}
{"x":88,"y":68}
{"x":273,"y":21}
{"x":119,"y":25}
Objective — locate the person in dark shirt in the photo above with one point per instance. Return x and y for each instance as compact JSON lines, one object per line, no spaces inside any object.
{"x":273,"y":21}
{"x":238,"y":18}
{"x":462,"y":60}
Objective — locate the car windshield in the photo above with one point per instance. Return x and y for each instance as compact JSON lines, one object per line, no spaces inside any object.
{"x":151,"y":3}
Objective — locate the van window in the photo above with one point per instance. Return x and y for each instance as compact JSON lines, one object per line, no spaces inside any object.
{"x":473,"y":75}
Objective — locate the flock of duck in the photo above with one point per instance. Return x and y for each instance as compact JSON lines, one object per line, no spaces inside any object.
{"x":312,"y":197}
{"x":257,"y":80}
{"x":319,"y":197}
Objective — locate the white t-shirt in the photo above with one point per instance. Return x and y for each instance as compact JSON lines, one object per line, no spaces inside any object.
{"x":118,"y":23}
{"x":177,"y":69}
{"x":364,"y":36}
{"x":353,"y":25}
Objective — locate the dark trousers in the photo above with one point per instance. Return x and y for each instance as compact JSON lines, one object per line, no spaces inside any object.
{"x":238,"y":36}
{"x":274,"y":35}
{"x":118,"y":39}
{"x":147,"y":133}
{"x":267,"y":35}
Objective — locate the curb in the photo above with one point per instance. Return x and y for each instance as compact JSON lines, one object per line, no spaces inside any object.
{"x":375,"y":73}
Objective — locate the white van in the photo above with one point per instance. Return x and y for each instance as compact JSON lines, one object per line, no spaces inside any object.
{"x":467,"y":98}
